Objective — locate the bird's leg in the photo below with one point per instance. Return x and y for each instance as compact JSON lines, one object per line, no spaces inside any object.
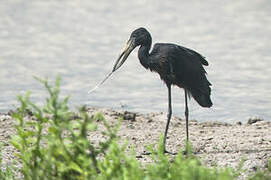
{"x":168,"y":115}
{"x":186,"y":117}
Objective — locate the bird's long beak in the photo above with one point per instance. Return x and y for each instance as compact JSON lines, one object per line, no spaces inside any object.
{"x":129,"y":47}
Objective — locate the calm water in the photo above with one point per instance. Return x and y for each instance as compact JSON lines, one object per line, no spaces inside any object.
{"x":81,"y":39}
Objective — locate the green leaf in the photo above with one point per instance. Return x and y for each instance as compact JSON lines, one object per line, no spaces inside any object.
{"x":52,"y":130}
{"x":75,"y":167}
{"x":15,"y":141}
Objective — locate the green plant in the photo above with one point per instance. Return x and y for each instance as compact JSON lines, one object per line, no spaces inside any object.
{"x":184,"y":166}
{"x":9,"y":171}
{"x":56,"y":143}
{"x":262,"y":175}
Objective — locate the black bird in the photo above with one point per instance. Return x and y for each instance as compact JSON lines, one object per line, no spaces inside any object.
{"x":176,"y":65}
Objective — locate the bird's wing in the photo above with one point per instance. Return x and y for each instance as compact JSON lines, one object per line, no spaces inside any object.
{"x":193,"y":54}
{"x":187,"y":65}
{"x":183,"y":67}
{"x":188,"y":68}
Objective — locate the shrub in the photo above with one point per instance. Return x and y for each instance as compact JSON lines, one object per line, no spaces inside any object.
{"x":54,"y":143}
{"x":262,"y":175}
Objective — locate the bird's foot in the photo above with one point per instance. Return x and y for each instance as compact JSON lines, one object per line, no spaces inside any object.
{"x":171,"y":153}
{"x":145,"y":153}
{"x":184,"y":152}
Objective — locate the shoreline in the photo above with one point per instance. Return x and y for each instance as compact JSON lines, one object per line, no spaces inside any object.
{"x":215,"y":143}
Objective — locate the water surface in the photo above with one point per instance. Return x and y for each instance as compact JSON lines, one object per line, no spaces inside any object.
{"x":81,"y":39}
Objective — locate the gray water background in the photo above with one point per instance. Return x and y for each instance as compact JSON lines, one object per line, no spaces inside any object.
{"x":81,"y":39}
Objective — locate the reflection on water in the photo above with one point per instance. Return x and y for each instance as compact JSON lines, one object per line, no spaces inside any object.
{"x":81,"y":40}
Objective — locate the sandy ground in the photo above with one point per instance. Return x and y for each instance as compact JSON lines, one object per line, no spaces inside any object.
{"x":215,"y":143}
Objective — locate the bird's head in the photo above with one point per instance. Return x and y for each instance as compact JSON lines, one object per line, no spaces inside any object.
{"x":138,"y":37}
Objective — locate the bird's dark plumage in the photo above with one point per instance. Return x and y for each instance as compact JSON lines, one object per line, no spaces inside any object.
{"x":182,"y":67}
{"x":175,"y":64}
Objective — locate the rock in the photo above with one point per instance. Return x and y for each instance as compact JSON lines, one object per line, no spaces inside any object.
{"x":131,"y":126}
{"x":129,"y":116}
{"x":253,"y":120}
{"x":10,"y":112}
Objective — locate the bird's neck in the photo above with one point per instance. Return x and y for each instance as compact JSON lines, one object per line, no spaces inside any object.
{"x":143,"y":55}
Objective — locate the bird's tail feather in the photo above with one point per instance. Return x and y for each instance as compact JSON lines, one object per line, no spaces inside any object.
{"x":203,"y":99}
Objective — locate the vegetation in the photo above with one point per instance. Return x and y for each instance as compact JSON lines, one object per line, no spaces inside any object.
{"x":57,"y":144}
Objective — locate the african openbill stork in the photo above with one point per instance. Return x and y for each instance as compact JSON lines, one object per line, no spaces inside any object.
{"x":176,"y":65}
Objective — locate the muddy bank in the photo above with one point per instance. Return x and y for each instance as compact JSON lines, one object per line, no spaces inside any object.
{"x":215,"y":143}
